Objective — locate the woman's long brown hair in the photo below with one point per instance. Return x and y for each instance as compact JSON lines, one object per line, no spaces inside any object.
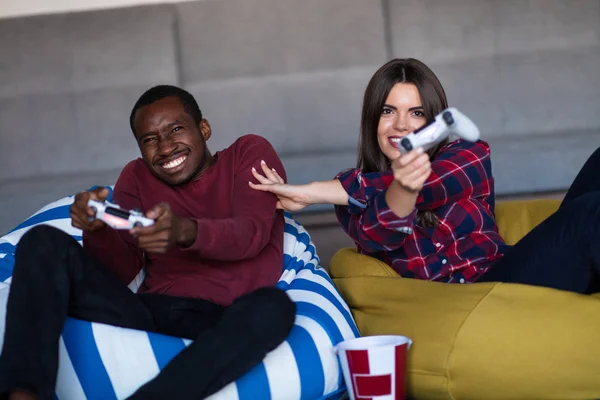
{"x":433,"y":99}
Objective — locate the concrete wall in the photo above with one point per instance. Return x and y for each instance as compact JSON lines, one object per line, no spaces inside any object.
{"x":23,"y":8}
{"x":293,"y":71}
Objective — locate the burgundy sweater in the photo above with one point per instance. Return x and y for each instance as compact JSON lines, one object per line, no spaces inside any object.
{"x":239,"y":246}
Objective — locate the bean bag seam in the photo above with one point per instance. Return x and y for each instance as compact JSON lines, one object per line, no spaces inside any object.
{"x":423,"y":372}
{"x":448,"y":377}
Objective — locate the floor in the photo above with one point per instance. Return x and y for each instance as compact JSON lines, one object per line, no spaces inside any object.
{"x":328,"y":237}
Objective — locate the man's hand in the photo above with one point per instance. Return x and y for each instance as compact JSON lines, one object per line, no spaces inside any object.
{"x":168,"y":231}
{"x":82,"y":216}
{"x":411,"y":170}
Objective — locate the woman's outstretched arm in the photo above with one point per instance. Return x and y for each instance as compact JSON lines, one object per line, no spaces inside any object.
{"x":297,"y":197}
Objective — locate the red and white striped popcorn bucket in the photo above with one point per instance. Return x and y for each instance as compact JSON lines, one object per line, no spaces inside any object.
{"x":375,"y":366}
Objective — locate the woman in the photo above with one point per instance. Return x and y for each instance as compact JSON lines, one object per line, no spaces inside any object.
{"x":431,"y":215}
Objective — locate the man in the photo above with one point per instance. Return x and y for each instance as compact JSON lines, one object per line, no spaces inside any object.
{"x":212,"y":257}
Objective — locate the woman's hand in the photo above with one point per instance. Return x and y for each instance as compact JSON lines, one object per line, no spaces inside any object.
{"x":289,"y":197}
{"x":411,"y":170}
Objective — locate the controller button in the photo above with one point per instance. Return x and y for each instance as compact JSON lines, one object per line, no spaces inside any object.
{"x":448,"y":118}
{"x":406,"y":144}
{"x":444,"y":261}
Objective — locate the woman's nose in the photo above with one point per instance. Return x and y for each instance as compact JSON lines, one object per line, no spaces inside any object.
{"x":401,"y":124}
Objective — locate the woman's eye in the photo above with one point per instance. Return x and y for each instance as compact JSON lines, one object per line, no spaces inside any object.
{"x":386,"y":111}
{"x":419,"y":114}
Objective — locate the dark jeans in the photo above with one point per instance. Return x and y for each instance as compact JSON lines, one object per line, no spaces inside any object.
{"x":54,"y":278}
{"x":563,"y":252}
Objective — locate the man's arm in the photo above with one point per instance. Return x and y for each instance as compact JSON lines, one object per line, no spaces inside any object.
{"x":246,"y":233}
{"x":116,"y":249}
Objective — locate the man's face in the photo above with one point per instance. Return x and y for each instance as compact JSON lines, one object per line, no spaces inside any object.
{"x":173,"y":146}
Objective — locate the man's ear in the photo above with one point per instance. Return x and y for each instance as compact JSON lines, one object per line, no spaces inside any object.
{"x":205,"y":129}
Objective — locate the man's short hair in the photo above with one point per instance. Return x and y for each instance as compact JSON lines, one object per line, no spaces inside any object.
{"x":160,"y":92}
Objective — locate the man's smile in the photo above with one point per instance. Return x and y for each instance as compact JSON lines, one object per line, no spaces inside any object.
{"x":174,"y":165}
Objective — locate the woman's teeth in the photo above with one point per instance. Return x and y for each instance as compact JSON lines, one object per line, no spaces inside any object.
{"x":174,"y":163}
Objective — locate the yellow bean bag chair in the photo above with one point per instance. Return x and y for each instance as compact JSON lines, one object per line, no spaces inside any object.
{"x":484,"y":340}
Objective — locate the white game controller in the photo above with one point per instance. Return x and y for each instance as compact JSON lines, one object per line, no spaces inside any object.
{"x":116,"y":217}
{"x":449,"y":121}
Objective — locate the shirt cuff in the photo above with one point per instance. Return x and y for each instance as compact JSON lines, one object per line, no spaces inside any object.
{"x":197,"y":244}
{"x":388,"y":219}
{"x":351,"y":184}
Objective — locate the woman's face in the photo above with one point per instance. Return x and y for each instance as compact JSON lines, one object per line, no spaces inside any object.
{"x":402,"y":114}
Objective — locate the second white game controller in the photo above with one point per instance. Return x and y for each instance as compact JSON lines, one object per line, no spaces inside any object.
{"x":450,"y":121}
{"x":118,"y":218}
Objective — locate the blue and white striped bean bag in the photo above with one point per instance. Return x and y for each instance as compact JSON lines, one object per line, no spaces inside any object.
{"x":104,"y":362}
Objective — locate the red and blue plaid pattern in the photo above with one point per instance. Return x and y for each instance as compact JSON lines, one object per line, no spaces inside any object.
{"x":460,"y":191}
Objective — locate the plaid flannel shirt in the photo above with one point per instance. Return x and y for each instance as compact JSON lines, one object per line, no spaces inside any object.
{"x":460,"y":190}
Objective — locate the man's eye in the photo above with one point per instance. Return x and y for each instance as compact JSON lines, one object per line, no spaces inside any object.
{"x":177,"y":128}
{"x":148,"y":140}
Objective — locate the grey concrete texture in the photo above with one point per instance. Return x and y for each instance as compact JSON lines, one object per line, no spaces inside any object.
{"x":293,"y":71}
{"x":251,"y":38}
{"x":298,"y":113}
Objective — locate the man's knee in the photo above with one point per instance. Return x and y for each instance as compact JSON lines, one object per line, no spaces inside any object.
{"x":270,"y":309}
{"x":43,"y":242}
{"x":580,"y":214}
{"x":41,"y":234}
{"x":596,"y":154}
{"x":272,"y":301}
{"x":586,"y":202}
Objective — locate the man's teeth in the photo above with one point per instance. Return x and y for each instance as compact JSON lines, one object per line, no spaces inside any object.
{"x":174,"y":163}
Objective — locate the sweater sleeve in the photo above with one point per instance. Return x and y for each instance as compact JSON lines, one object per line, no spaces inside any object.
{"x":116,"y":249}
{"x":246,"y":233}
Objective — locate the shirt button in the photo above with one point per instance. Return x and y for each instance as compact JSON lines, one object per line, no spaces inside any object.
{"x":437,"y":245}
{"x":462,"y":280}
{"x":444,"y":261}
